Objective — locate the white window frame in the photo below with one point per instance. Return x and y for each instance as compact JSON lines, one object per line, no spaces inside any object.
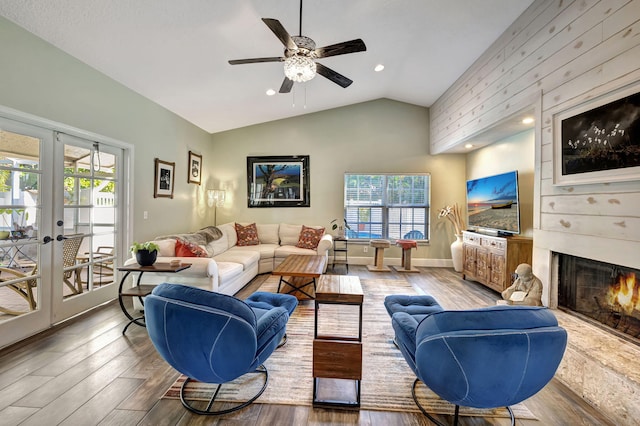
{"x":357,"y":208}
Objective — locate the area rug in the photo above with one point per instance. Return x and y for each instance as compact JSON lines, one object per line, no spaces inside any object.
{"x":387,"y":379}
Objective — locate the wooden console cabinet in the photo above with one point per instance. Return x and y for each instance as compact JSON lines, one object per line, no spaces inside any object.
{"x":491,"y":260}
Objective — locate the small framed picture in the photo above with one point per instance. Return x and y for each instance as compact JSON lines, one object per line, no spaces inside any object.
{"x":195,"y":168}
{"x":164,"y":177}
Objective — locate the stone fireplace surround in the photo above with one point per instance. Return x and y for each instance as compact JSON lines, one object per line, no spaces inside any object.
{"x":599,"y":366}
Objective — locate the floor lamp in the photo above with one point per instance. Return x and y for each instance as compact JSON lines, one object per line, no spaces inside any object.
{"x":215,"y":199}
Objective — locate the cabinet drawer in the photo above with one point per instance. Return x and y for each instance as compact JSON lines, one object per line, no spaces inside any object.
{"x":499,"y":245}
{"x":471,"y":238}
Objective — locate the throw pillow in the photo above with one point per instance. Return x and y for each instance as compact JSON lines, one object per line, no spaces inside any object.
{"x":187,"y":249}
{"x":247,"y":235}
{"x":310,"y":237}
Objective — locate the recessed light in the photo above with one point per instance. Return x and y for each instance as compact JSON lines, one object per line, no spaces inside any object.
{"x":271,"y":92}
{"x":468,"y":146}
{"x":527,"y":120}
{"x":378,"y":68}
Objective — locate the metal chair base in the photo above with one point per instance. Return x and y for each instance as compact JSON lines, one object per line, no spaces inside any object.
{"x":209,"y":411}
{"x":457,"y":409}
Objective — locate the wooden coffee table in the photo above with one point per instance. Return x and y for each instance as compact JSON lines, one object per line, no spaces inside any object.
{"x":299,"y":271}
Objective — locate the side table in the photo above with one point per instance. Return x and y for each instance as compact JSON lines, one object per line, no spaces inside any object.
{"x":340,"y":252}
{"x":140,"y":291}
{"x":337,"y":356}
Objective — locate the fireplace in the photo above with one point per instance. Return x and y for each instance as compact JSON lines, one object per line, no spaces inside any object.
{"x":606,"y":294}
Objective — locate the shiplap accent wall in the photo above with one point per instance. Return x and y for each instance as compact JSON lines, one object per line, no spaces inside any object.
{"x":556,"y":55}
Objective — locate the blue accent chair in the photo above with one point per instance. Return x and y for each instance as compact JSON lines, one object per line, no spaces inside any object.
{"x":212,"y":337}
{"x":482,"y":358}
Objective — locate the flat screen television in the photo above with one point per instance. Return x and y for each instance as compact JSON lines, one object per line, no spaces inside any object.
{"x":492,"y":204}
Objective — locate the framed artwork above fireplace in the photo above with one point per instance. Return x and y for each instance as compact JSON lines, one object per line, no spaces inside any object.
{"x":598,"y":141}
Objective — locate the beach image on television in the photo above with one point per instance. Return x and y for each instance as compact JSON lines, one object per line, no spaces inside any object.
{"x":492,"y":203}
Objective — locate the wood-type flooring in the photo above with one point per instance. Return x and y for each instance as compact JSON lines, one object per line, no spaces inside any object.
{"x":84,"y":372}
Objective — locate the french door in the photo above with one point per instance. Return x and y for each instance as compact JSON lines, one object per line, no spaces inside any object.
{"x":60,"y":226}
{"x":85,"y":224}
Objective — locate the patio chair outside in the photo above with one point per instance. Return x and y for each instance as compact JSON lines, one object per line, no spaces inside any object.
{"x":72,"y":278}
{"x":23,"y":288}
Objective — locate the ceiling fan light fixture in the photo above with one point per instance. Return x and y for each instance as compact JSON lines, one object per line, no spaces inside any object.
{"x":299,"y":68}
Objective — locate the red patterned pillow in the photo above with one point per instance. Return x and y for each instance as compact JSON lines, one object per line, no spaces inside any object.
{"x":309,"y":237}
{"x":247,"y":235}
{"x":187,"y":249}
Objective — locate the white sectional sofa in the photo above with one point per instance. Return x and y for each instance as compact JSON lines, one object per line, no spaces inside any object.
{"x":230,"y":267}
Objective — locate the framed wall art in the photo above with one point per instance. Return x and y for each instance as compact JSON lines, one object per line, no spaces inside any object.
{"x":278,"y":181}
{"x":163,"y":179}
{"x":599,"y":140}
{"x":195,"y":168}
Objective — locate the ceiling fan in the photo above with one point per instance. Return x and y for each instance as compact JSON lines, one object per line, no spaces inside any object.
{"x":300,"y":53}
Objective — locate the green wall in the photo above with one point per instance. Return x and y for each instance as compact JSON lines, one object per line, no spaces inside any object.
{"x":39,"y":79}
{"x":379,"y":136}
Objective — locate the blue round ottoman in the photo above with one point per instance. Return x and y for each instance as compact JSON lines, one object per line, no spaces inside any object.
{"x":412,"y":305}
{"x":263,"y":301}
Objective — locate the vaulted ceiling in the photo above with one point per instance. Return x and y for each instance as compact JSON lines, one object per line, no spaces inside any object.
{"x":176,"y":52}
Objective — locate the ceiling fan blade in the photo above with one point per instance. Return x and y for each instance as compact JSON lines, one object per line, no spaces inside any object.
{"x":351,"y":46}
{"x":255,"y":60}
{"x":282,"y":34}
{"x":337,"y":78}
{"x":286,"y":85}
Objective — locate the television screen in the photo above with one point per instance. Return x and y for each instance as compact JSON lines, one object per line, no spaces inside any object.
{"x":492,"y":203}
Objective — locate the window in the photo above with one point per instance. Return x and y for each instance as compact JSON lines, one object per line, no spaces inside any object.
{"x":387,"y":206}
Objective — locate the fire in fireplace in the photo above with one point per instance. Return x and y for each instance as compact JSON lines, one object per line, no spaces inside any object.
{"x":606,"y":293}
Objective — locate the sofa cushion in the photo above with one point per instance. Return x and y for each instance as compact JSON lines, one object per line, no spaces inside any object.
{"x":218,"y":246}
{"x":228,"y":271}
{"x":266,"y":251}
{"x":247,"y":235}
{"x":285,"y":251}
{"x":229,"y":231}
{"x":166,"y":248}
{"x":268,"y":233}
{"x":187,"y":249}
{"x":289,"y":234}
{"x":246,"y":258}
{"x":309,"y":237}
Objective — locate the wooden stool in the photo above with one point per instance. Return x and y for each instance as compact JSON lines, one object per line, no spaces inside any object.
{"x":406,"y":246}
{"x":378,"y":266}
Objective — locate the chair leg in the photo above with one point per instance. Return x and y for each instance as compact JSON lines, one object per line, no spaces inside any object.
{"x":513,"y":417}
{"x":456,"y":412}
{"x":415,"y":399}
{"x":209,"y":412}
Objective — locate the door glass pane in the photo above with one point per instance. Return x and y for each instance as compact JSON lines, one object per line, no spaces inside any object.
{"x":19,"y":222}
{"x":89,"y":218}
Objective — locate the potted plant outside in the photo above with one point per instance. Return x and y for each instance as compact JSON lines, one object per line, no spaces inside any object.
{"x":146,"y":253}
{"x":17,"y":229}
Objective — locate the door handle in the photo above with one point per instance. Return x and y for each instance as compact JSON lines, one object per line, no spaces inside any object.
{"x":47,"y":239}
{"x":61,"y":237}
